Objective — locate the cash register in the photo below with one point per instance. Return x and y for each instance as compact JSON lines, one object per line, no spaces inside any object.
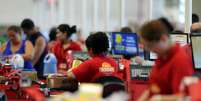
{"x":140,"y":71}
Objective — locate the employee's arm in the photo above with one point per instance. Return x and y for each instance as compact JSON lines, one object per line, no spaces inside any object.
{"x":70,"y":74}
{"x":29,"y":50}
{"x":81,"y":73}
{"x":2,"y":48}
{"x":144,"y":96}
{"x":39,"y":48}
{"x":165,"y":98}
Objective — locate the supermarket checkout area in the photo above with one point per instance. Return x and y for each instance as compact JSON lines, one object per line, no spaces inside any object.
{"x":17,"y":84}
{"x":24,"y":85}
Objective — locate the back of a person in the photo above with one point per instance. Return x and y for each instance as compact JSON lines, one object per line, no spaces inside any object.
{"x":100,"y":65}
{"x":104,"y":66}
{"x":33,"y":39}
{"x":168,"y":74}
{"x":39,"y":65}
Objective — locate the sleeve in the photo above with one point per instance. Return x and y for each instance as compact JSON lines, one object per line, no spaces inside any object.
{"x":76,"y":47}
{"x":180,"y":70}
{"x":54,"y":50}
{"x":82,"y":72}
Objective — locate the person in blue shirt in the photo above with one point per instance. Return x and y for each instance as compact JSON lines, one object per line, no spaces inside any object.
{"x":17,"y":46}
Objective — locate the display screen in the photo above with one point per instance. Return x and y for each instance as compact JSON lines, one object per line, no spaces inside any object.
{"x":196,"y":51}
{"x":152,"y":55}
{"x":124,"y":43}
{"x":80,"y":55}
{"x":181,"y":39}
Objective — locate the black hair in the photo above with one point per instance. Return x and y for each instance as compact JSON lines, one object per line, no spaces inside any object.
{"x":27,"y":24}
{"x":195,"y":18}
{"x":65,"y":28}
{"x":98,"y":42}
{"x":126,"y":30}
{"x":167,"y":24}
{"x":14,"y":28}
{"x":53,"y":33}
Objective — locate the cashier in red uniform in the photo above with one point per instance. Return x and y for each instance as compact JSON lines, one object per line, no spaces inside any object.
{"x":64,"y":45}
{"x":100,"y":64}
{"x":172,"y":65}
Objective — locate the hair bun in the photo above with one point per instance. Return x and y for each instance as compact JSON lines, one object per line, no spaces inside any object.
{"x":73,"y":29}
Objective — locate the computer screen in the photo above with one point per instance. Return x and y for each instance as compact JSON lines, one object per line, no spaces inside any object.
{"x":152,"y":56}
{"x":110,"y":41}
{"x":196,"y":50}
{"x":124,"y":43}
{"x":180,"y":38}
{"x":80,"y":55}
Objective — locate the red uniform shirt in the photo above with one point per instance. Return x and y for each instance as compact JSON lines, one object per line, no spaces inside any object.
{"x":126,"y":64}
{"x":96,"y":67}
{"x":61,"y":53}
{"x":167,"y":74}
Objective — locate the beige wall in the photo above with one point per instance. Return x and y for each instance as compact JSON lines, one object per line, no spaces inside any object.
{"x":196,"y":7}
{"x":13,"y":11}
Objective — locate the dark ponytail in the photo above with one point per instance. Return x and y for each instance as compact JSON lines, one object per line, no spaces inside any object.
{"x":65,"y":28}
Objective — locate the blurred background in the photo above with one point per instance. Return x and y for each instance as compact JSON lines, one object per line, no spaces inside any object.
{"x":93,"y":15}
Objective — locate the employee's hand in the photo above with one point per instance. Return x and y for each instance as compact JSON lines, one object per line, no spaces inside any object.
{"x":156,"y":98}
{"x":165,"y":98}
{"x":188,"y":81}
{"x":139,"y":60}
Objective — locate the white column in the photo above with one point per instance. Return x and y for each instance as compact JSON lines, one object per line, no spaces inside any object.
{"x":150,"y":7}
{"x":95,"y":15}
{"x":52,"y":13}
{"x":72,"y":13}
{"x":60,"y":16}
{"x":35,"y":10}
{"x":107,"y":17}
{"x":84,"y":18}
{"x":188,"y":15}
{"x":122,"y":9}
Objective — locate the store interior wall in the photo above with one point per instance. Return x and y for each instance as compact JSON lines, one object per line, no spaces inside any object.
{"x":48,"y":13}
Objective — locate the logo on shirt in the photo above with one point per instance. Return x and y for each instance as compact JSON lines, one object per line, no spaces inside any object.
{"x":106,"y":68}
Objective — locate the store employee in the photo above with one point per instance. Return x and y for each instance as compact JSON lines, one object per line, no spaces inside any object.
{"x":100,"y":65}
{"x":172,"y":65}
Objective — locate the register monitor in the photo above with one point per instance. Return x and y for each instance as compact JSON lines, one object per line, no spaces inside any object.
{"x":124,"y":43}
{"x":196,"y":50}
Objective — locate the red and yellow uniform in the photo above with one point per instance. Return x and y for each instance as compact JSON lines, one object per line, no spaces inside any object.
{"x":61,"y":53}
{"x":98,"y":66}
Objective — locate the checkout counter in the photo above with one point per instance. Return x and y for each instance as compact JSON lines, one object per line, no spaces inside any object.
{"x":17,"y":84}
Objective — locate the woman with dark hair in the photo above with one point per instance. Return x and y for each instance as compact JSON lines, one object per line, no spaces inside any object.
{"x":100,"y":64}
{"x":17,"y":46}
{"x":64,"y":45}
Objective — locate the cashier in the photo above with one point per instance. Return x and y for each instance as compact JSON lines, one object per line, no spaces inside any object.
{"x":64,"y":45}
{"x":100,"y":64}
{"x":172,"y":65}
